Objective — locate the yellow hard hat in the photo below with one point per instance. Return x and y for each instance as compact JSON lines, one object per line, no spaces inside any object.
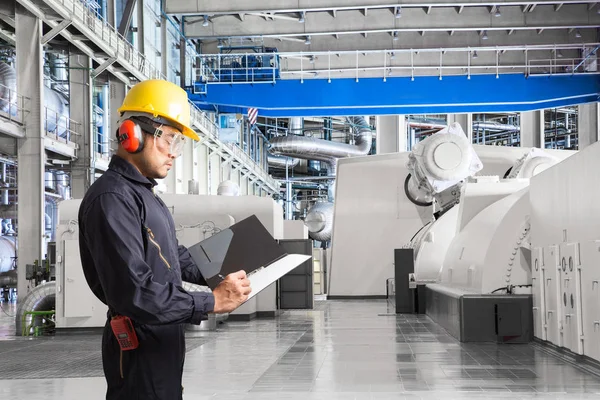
{"x":163,"y":100}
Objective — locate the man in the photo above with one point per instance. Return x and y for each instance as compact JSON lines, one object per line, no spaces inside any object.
{"x":130,"y":254}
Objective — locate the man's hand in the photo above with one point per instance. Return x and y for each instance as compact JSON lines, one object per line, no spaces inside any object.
{"x":231,"y":293}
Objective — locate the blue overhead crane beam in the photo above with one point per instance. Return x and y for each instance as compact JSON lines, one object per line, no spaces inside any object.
{"x":400,"y":95}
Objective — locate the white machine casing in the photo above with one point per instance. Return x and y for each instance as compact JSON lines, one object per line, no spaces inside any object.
{"x":196,"y":217}
{"x":471,"y":246}
{"x":566,"y":239}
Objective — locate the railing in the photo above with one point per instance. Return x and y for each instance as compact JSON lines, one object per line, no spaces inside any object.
{"x":12,"y":105}
{"x":200,"y":120}
{"x":139,"y":65}
{"x":59,"y":127}
{"x":110,"y":35}
{"x":246,"y":159}
{"x":466,"y":61}
{"x":246,"y":67}
{"x":563,"y":66}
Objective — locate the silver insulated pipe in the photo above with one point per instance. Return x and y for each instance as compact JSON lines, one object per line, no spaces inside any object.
{"x":319,"y":221}
{"x":309,"y":148}
{"x":282,"y":162}
{"x":40,"y":298}
{"x":494,"y":126}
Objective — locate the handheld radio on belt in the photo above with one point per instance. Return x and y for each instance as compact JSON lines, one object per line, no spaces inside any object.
{"x":124,"y":332}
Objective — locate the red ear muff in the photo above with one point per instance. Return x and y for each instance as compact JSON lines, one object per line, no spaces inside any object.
{"x":131,"y":136}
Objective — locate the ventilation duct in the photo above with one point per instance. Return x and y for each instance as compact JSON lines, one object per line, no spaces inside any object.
{"x":319,"y":221}
{"x":309,"y":148}
{"x":296,"y":126}
{"x":41,"y":298}
{"x":281,"y":162}
{"x":63,"y":187}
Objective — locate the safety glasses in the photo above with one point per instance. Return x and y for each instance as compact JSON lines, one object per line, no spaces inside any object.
{"x":175,"y":140}
{"x":176,"y":143}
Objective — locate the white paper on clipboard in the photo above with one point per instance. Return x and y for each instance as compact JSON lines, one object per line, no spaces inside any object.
{"x":264,"y":277}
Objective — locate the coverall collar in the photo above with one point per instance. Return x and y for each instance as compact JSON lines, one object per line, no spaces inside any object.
{"x":125,"y":168}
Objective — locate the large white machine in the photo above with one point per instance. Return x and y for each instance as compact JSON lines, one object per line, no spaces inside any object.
{"x":464,"y":213}
{"x":565,"y":243}
{"x":452,"y":202}
{"x":196,"y":218}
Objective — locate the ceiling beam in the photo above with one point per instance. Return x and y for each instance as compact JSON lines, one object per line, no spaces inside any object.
{"x":185,"y":7}
{"x":273,"y":16}
{"x":303,"y":33}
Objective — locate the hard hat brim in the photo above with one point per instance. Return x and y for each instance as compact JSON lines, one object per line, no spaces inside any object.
{"x":190,"y":133}
{"x":185,"y":130}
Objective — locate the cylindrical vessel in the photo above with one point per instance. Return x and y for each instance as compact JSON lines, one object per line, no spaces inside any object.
{"x":8,"y":252}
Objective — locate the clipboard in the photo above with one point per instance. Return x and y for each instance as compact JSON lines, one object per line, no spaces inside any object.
{"x":248,"y":246}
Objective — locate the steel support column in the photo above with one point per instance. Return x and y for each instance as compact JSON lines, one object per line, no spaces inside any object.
{"x":81,"y":103}
{"x":532,"y":129}
{"x":588,"y":124}
{"x":215,"y":173}
{"x":31,"y":154}
{"x":116,"y":96}
{"x":391,"y":134}
{"x":202,"y":168}
{"x":465,"y":121}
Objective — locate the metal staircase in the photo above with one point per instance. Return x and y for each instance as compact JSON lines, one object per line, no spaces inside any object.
{"x":102,"y":42}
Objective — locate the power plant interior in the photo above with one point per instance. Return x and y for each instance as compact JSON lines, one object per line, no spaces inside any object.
{"x":437,"y":161}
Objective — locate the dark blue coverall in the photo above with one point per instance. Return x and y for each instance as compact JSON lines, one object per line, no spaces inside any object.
{"x":133,"y":263}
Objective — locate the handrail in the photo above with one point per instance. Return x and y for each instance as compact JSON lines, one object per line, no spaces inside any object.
{"x":60,"y":123}
{"x":134,"y":60}
{"x":12,"y":106}
{"x":110,"y":34}
{"x":210,"y":129}
{"x":96,"y":27}
{"x":234,"y":68}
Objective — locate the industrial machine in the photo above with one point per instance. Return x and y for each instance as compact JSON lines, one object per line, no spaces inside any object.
{"x":565,"y":254}
{"x":449,"y":218}
{"x":77,"y":307}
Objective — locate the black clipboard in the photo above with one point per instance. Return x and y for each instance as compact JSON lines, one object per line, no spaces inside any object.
{"x":246,"y":245}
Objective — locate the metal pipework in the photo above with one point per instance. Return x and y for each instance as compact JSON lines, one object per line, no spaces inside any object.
{"x":41,"y":298}
{"x":319,"y":221}
{"x":309,"y":148}
{"x":8,"y":279}
{"x":281,"y":162}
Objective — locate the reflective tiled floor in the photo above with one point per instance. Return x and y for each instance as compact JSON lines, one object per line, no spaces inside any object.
{"x":340,"y":350}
